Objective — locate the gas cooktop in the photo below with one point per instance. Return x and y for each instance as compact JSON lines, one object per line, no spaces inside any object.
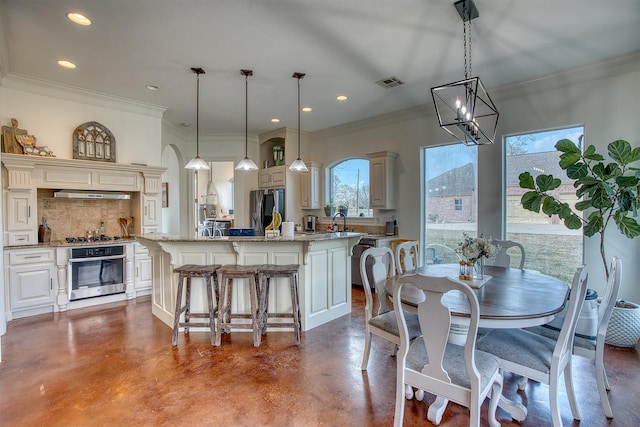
{"x":91,"y":239}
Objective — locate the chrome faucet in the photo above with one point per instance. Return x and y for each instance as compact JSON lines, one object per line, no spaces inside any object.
{"x":344,"y":220}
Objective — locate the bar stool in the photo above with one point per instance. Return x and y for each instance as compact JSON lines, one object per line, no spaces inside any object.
{"x":266,"y":272}
{"x":226,"y":276}
{"x":188,"y":271}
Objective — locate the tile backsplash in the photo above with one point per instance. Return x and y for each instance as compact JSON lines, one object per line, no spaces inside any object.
{"x":74,"y":217}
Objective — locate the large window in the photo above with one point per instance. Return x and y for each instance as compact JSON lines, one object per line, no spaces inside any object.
{"x":549,"y":246}
{"x":349,"y":186}
{"x":451,"y":205}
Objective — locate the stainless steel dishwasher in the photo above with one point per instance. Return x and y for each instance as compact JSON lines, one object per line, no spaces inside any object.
{"x":364,"y":244}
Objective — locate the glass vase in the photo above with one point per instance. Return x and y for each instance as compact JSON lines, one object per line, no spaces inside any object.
{"x":478,"y":269}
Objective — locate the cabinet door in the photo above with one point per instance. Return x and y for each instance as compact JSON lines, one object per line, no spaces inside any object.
{"x":152,"y":210}
{"x":377,"y":178}
{"x":31,"y":286}
{"x":264,"y":178}
{"x":278,"y":177}
{"x":310,"y":187}
{"x":143,"y":274}
{"x":21,"y":224}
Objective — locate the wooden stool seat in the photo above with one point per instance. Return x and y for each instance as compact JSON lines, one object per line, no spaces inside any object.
{"x":265,"y":273}
{"x":226,"y":274}
{"x":187,"y":272}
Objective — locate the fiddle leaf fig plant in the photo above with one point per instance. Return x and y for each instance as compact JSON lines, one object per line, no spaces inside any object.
{"x":609,"y":190}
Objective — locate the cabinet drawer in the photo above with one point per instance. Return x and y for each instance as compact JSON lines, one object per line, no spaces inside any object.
{"x":21,"y":238}
{"x":30,"y":256}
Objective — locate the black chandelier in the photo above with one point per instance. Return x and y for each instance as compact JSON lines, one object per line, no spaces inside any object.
{"x":464,"y":108}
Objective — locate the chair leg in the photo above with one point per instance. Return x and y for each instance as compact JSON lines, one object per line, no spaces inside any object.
{"x":603,"y":384}
{"x":212,"y":323}
{"x":367,"y":350}
{"x":496,"y":392}
{"x":256,"y":315}
{"x":176,"y":317}
{"x":571,"y":394}
{"x":400,"y":394}
{"x":187,"y":304}
{"x":436,"y":410}
{"x":295,"y":308}
{"x":522,"y":383}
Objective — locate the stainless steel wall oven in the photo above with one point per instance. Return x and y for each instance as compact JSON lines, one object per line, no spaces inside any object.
{"x":96,"y":271}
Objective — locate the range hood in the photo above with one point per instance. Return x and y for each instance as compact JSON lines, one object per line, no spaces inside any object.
{"x":84,"y":194}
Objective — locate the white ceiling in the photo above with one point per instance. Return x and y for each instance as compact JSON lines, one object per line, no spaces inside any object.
{"x":344,"y":47}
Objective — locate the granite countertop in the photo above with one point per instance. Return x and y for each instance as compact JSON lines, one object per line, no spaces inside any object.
{"x":63,"y":243}
{"x":298,"y":237}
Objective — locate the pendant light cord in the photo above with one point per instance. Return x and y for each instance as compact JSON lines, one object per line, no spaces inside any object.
{"x":246,"y":115}
{"x":197,"y":114}
{"x":299,"y":117}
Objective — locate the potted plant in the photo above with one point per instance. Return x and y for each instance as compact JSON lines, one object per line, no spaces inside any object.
{"x":609,"y":192}
{"x":343,"y":209}
{"x":329,"y":209}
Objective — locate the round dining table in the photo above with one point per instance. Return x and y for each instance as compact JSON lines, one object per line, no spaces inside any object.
{"x":507,"y":298}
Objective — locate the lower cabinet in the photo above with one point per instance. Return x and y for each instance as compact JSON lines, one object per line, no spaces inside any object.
{"x":143,"y":274}
{"x":31,"y":279}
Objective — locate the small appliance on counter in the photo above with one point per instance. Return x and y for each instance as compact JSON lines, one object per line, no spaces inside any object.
{"x":310,"y":223}
{"x":390,"y":228}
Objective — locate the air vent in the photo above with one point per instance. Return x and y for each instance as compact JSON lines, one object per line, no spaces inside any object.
{"x":390,"y":82}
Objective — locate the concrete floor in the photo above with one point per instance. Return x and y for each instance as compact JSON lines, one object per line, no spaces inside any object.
{"x":114,"y":365}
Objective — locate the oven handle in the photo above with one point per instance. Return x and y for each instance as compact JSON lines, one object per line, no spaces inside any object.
{"x":97,"y":258}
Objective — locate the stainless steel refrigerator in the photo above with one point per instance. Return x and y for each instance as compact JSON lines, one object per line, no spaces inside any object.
{"x":261,"y":206}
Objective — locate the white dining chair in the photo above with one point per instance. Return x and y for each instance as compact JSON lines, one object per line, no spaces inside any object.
{"x":376,"y":265}
{"x":436,"y":253}
{"x":503,"y":256}
{"x":541,"y":358}
{"x":452,"y":372}
{"x":593,"y":349}
{"x":406,"y":256}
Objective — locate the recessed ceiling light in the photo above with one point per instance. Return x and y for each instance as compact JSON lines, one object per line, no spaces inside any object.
{"x":274,"y":120}
{"x":307,"y":109}
{"x":66,"y":64}
{"x":78,"y":18}
{"x":341,"y":97}
{"x":152,"y":87}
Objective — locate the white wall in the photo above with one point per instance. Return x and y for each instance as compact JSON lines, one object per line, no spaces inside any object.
{"x":603,"y":97}
{"x":51,"y":113}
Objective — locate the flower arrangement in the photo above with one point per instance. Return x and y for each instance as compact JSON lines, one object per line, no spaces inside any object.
{"x":474,"y":248}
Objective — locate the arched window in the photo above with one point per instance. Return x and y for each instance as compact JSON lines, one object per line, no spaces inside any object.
{"x":349,"y":187}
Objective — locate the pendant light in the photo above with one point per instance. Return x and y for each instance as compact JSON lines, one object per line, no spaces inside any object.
{"x":197,"y":163}
{"x":246,"y":164}
{"x":298,"y":165}
{"x":464,"y":108}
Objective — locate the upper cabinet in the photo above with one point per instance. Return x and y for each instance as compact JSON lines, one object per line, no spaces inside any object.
{"x":275,"y":176}
{"x":382,"y":180}
{"x":310,"y":186}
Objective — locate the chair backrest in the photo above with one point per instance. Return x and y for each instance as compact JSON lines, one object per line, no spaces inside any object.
{"x":609,"y":299}
{"x":564,"y":344}
{"x":435,"y":321}
{"x":502,"y":258}
{"x":376,"y":265}
{"x":406,"y":256}
{"x":436,"y":253}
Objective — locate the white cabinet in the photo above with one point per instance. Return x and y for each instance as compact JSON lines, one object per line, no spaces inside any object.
{"x":31,"y":281}
{"x":272,"y":177}
{"x":151,"y":211}
{"x":143,"y":274}
{"x":382,"y":180}
{"x":310,"y":186}
{"x":21,"y":221}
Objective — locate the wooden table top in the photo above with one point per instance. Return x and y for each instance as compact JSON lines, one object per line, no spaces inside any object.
{"x":511,"y":298}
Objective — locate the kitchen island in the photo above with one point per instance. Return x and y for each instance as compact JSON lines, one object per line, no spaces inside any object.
{"x":324,"y":276}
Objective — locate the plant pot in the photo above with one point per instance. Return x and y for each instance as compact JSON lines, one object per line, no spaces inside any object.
{"x":624,"y":326}
{"x":343,"y":210}
{"x":329,"y":211}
